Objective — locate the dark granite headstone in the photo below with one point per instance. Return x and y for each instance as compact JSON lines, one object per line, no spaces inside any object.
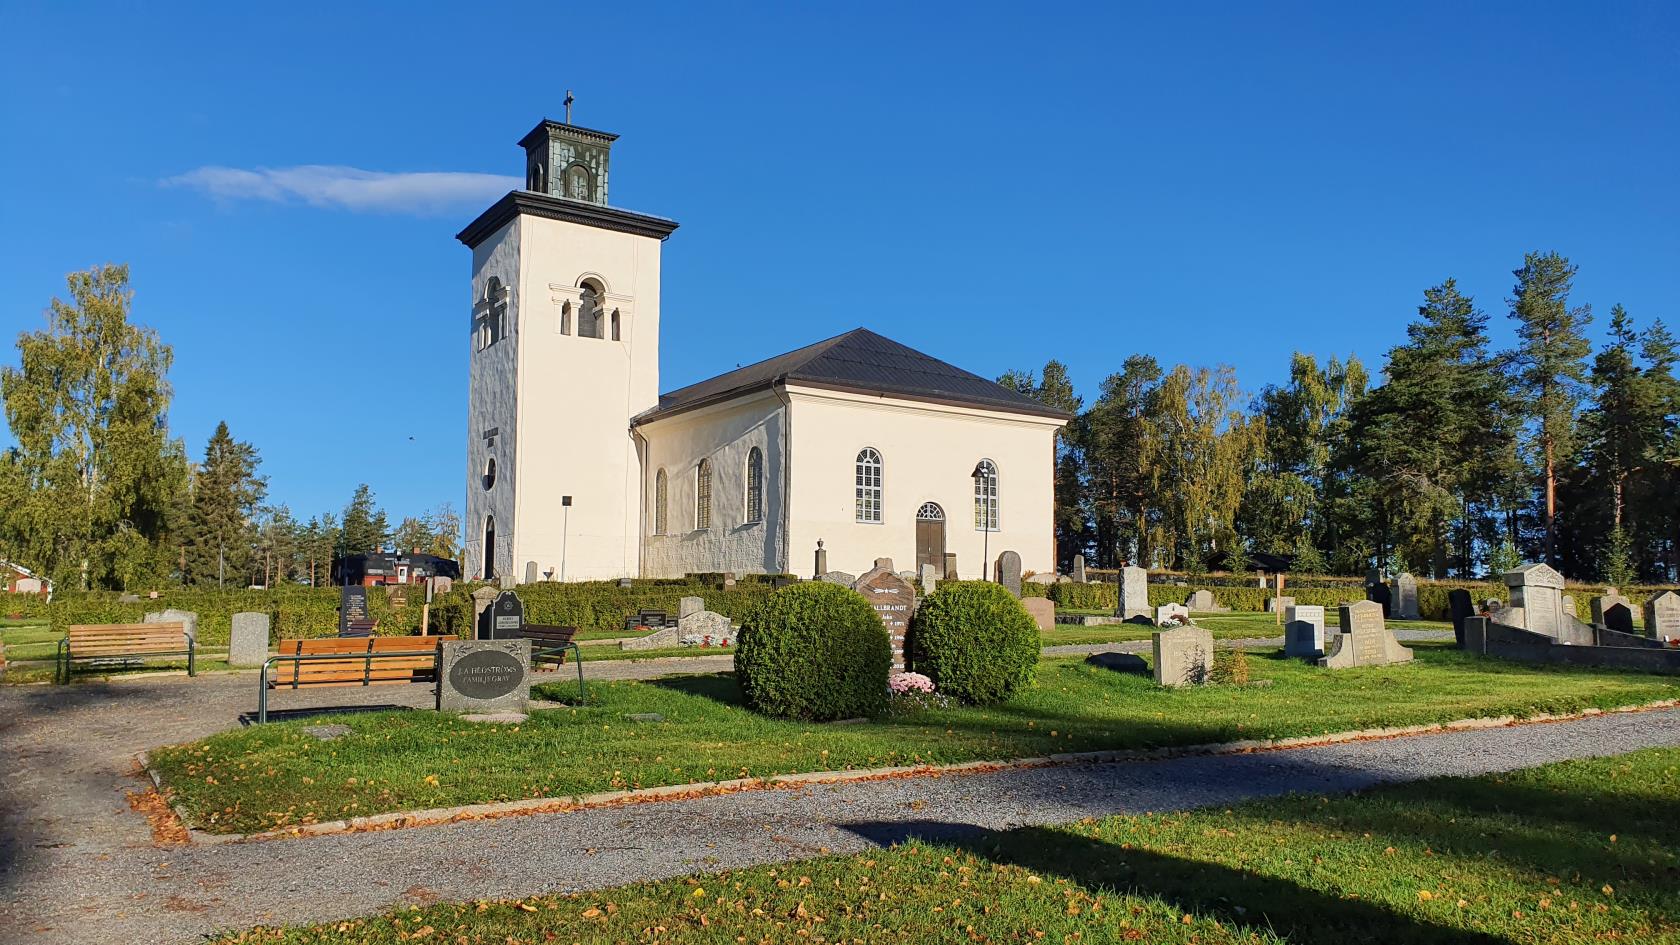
{"x":1379,"y":593}
{"x":1459,"y":606}
{"x":352,"y":607}
{"x":1618,"y":616}
{"x":505,"y":620}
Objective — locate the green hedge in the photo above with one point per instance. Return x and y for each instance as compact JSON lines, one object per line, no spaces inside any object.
{"x":974,"y":640}
{"x":814,"y":651}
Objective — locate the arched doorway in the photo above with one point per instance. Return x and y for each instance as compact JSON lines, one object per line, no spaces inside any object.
{"x":489,"y":547}
{"x":930,"y":537}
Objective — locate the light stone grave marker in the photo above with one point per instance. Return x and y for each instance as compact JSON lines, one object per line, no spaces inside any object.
{"x":1404,"y":604}
{"x":248,"y":640}
{"x":1079,"y":569}
{"x":1171,"y":610}
{"x":1303,"y":631}
{"x":1183,"y":657}
{"x":1364,"y":640}
{"x":1043,"y":611}
{"x":1662,"y":617}
{"x":186,"y":618}
{"x":690,"y":605}
{"x":1134,"y":593}
{"x":1537,"y":591}
{"x":930,"y":579}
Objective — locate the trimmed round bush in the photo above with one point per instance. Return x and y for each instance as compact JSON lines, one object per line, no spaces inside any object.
{"x":814,"y":651}
{"x":974,"y":640}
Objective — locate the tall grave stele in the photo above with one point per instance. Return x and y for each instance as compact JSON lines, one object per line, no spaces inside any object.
{"x":1364,"y":639}
{"x":1134,"y":594}
{"x":1662,"y":617}
{"x":1404,"y":605}
{"x":504,"y":620}
{"x":893,"y":598}
{"x":1009,"y":572}
{"x":352,"y":607}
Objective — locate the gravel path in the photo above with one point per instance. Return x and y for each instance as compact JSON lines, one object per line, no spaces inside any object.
{"x":76,"y":866}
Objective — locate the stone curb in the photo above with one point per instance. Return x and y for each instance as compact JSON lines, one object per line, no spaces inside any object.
{"x":544,"y":805}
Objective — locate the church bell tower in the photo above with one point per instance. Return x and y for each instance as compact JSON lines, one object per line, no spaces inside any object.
{"x":563,"y":352}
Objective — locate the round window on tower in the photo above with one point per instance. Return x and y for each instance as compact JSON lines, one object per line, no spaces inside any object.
{"x":489,"y":472}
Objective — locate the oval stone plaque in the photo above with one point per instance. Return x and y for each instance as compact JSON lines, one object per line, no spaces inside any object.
{"x":487,"y":674}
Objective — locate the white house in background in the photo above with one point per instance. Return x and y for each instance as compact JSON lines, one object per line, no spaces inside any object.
{"x":576,"y":465}
{"x":17,"y":579}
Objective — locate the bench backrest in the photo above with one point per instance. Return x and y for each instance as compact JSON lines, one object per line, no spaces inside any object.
{"x":367,"y":659}
{"x":541,"y":633}
{"x":127,"y":638}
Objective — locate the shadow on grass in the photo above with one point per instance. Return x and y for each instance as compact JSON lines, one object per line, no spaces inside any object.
{"x":291,"y":715}
{"x":1232,"y":896}
{"x":718,"y":687}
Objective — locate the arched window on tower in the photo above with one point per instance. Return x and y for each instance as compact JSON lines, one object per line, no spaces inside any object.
{"x":985,"y":496}
{"x":589,"y":311}
{"x":703,"y":495}
{"x":868,"y":485}
{"x":490,"y":315}
{"x":755,"y":486}
{"x":661,"y":496}
{"x":565,"y":318}
{"x":615,"y":332}
{"x":489,"y":570}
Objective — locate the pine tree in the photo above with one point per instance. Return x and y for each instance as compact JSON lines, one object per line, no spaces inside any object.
{"x":365,"y":527}
{"x":1550,"y":372}
{"x":1121,"y":465}
{"x":225,"y":497}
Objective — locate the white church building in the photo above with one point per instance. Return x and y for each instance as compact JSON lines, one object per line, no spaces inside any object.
{"x":579,"y":469}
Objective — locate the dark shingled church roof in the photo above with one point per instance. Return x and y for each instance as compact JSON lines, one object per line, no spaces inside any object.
{"x":861,"y":362}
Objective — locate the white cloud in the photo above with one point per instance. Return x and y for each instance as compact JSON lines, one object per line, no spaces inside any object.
{"x":349,"y":188}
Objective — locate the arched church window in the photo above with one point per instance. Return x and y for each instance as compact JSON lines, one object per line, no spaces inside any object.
{"x":577,"y":182}
{"x":868,"y":485}
{"x":615,"y":336}
{"x":539,"y":177}
{"x":660,"y":499}
{"x":930,"y":512}
{"x":490,"y":315}
{"x":986,"y":496}
{"x":589,"y":311}
{"x":703,"y":495}
{"x":755,"y":485}
{"x":489,"y":473}
{"x":489,"y":570}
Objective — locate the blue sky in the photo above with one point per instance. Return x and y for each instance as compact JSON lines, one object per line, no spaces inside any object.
{"x":993,"y":184}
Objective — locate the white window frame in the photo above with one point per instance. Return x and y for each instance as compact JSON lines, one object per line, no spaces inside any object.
{"x":869,"y":479}
{"x":988,"y":513}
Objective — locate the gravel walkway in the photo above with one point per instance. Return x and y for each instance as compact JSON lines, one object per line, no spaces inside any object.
{"x":76,"y":866}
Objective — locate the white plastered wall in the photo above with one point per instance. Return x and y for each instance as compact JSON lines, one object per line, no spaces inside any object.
{"x":928,"y":454}
{"x":725,"y":434}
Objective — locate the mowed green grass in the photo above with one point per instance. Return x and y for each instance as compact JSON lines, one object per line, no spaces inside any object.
{"x":1567,"y":854}
{"x":275,"y":775}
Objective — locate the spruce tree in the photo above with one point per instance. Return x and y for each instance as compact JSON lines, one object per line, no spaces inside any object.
{"x":365,"y":528}
{"x":226,"y":494}
{"x":1551,"y":370}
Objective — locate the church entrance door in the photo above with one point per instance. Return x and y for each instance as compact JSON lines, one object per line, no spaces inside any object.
{"x":930,"y":537}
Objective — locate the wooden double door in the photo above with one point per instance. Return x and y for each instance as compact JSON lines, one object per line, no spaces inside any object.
{"x":930,"y":538}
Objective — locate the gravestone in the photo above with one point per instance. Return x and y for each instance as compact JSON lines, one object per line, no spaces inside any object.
{"x":1378,"y":594}
{"x":1618,"y":616}
{"x":248,"y":640}
{"x":1009,"y":572}
{"x":441,"y":585}
{"x":950,"y":566}
{"x":1303,"y":631}
{"x":1171,"y":610}
{"x":505,"y":620}
{"x":1662,"y":617}
{"x":690,"y":605}
{"x":531,"y":572}
{"x":1459,"y":606}
{"x":1134,"y":593}
{"x":822,"y":561}
{"x":1278,"y":605}
{"x":1364,"y":640}
{"x":185,"y":618}
{"x":1610,"y":600}
{"x":485,"y":676}
{"x":893,"y":598}
{"x":625,"y":583}
{"x":1183,"y":657}
{"x":1203,"y":602}
{"x":1405,"y":599}
{"x":885,"y":564}
{"x":1568,"y":608}
{"x":707,"y":626}
{"x":1538,"y":591}
{"x":930,"y":579}
{"x":482,"y":598}
{"x":838,"y":577}
{"x":1043,"y":612}
{"x":352,"y":607}
{"x":1079,"y":569}
{"x":1120,"y":662}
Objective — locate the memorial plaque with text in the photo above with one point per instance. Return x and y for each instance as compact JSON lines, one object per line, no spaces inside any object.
{"x":352,"y":607}
{"x":506,"y":618}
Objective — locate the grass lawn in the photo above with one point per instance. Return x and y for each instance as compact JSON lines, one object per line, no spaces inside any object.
{"x":594,"y":653}
{"x":266,"y":776}
{"x":29,"y":641}
{"x":1560,"y":855}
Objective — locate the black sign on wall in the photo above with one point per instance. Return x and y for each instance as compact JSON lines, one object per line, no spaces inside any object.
{"x":352,"y":607}
{"x":505,"y":618}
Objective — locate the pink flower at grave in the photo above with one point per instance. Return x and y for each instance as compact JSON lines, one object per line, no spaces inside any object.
{"x":901,"y":683}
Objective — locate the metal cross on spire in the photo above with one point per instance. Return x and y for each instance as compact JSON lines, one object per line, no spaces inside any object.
{"x":569,"y":101}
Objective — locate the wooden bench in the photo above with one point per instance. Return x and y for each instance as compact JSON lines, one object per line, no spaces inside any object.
{"x":549,"y":645}
{"x":123,"y":641}
{"x":349,"y":661}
